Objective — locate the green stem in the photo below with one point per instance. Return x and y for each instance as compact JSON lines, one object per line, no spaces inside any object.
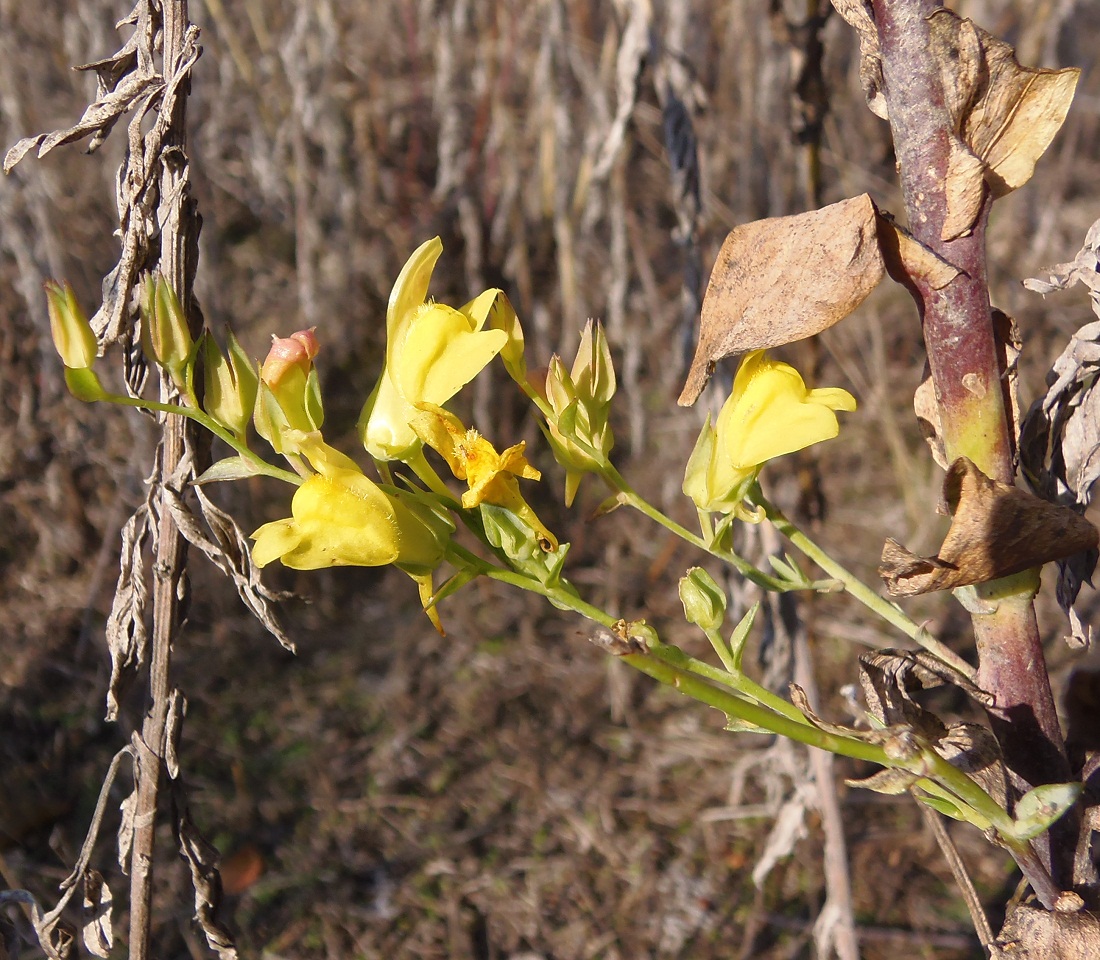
{"x":427,"y":475}
{"x":700,"y":681}
{"x":261,"y":466}
{"x":734,"y":679}
{"x":889,"y":612}
{"x":630,"y":496}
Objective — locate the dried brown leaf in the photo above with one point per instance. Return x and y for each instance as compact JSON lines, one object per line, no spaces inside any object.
{"x":907,"y":258}
{"x":1006,"y":114}
{"x":126,"y":634}
{"x":1060,"y":436}
{"x":202,"y":859}
{"x":227,"y":549}
{"x":996,"y":530}
{"x":1084,"y":268}
{"x":859,"y":15}
{"x":964,"y":190}
{"x":785,"y":279}
{"x":97,"y":933}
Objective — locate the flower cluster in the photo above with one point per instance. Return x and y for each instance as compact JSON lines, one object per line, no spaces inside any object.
{"x":340,"y":516}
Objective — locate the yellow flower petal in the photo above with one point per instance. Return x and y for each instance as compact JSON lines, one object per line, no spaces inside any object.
{"x":771,"y":413}
{"x":338,"y":520}
{"x":478,"y":309}
{"x":432,"y":351}
{"x":411,"y":288}
{"x":441,"y":354}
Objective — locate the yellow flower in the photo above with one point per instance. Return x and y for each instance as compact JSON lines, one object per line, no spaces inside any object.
{"x":339,"y":517}
{"x":492,"y":477}
{"x":432,"y":351}
{"x":771,"y":412}
{"x":338,"y":520}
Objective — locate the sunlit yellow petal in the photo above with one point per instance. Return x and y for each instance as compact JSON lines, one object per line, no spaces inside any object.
{"x":441,"y":354}
{"x":772,"y":413}
{"x":411,"y":288}
{"x":387,"y":434}
{"x":478,"y":309}
{"x":273,"y":540}
{"x":340,"y":520}
{"x":833,"y":397}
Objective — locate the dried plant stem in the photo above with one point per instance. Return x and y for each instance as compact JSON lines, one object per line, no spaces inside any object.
{"x":178,"y":232}
{"x":962,"y":355}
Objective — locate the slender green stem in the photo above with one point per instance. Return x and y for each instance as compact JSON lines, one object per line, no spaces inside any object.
{"x":427,"y":475}
{"x":889,"y":612}
{"x":739,"y":697}
{"x":734,"y":679}
{"x":630,"y":496}
{"x":261,"y":466}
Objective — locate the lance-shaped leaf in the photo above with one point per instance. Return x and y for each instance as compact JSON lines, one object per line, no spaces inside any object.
{"x":996,"y":530}
{"x":785,"y":279}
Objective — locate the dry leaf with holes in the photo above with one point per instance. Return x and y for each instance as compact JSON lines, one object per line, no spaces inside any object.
{"x":1004,"y":115}
{"x":996,"y":530}
{"x":784,"y":279}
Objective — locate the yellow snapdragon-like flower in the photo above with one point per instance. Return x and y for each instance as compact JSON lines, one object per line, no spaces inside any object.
{"x":771,"y":412}
{"x":338,"y":520}
{"x":340,"y":517}
{"x":492,"y":477}
{"x":432,"y":351}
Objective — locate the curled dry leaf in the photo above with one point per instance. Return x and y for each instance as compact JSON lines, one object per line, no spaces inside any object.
{"x":785,"y":279}
{"x":996,"y":530}
{"x":907,"y":259}
{"x":860,"y":17}
{"x":1060,"y":436}
{"x":1003,"y":114}
{"x":97,"y":932}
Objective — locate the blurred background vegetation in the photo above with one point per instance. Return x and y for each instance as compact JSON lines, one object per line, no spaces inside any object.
{"x":506,"y":791}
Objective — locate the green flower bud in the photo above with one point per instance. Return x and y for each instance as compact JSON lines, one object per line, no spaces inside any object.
{"x":231,"y":384}
{"x":72,"y":334}
{"x":166,"y":335}
{"x":704,"y":601}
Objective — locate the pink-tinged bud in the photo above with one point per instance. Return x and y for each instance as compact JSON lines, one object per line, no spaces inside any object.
{"x":297,"y":350}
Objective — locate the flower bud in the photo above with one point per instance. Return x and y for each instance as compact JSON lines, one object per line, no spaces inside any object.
{"x":704,"y":601}
{"x":288,"y":403}
{"x":581,"y":401}
{"x":231,"y":384}
{"x":167,"y":336}
{"x":72,"y":334}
